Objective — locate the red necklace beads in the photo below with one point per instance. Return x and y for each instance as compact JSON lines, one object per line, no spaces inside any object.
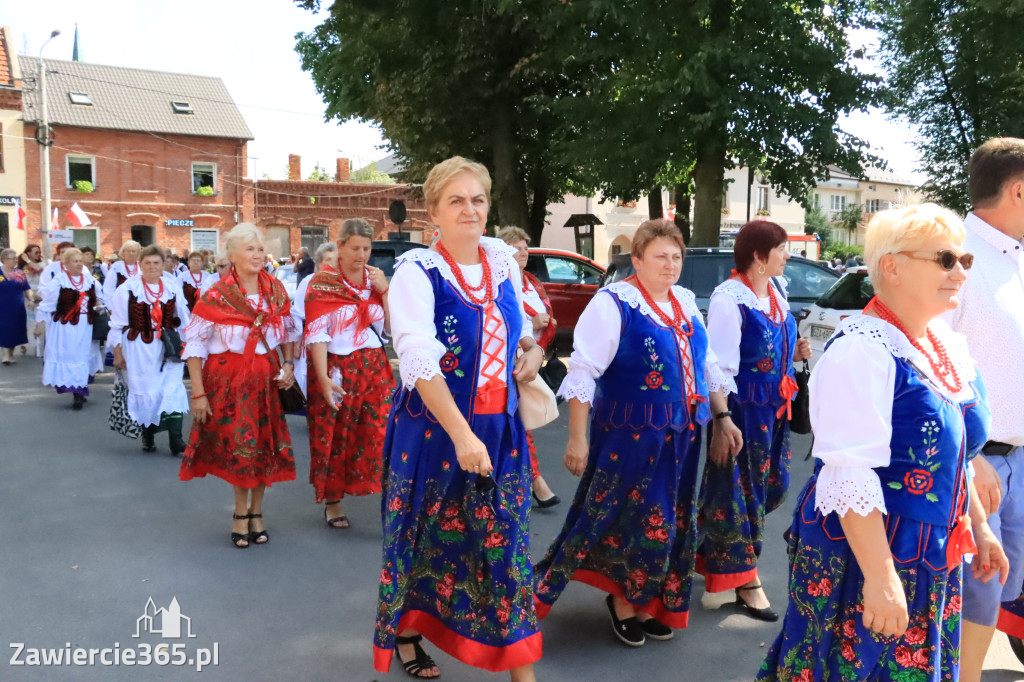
{"x":942,"y":366}
{"x":131,"y":270}
{"x":259,"y":292}
{"x":471,"y":292}
{"x":775,"y":313}
{"x":360,"y":288}
{"x":156,"y":311}
{"x":198,"y":281}
{"x":79,"y":285}
{"x":678,"y":319}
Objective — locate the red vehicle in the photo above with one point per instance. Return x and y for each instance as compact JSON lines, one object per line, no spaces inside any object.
{"x":571,"y":280}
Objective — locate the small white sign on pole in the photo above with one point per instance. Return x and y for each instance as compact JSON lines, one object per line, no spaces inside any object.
{"x":58,"y":236}
{"x":205,"y":240}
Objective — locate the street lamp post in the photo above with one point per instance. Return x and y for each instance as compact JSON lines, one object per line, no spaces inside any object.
{"x":43,"y":138}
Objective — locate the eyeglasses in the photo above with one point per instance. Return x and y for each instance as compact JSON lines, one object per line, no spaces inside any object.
{"x":222,"y":266}
{"x":946,"y":259}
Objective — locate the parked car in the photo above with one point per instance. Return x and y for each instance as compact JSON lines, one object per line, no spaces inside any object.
{"x":705,"y":268}
{"x":847,"y":297}
{"x":385,"y":251}
{"x":571,"y":280}
{"x":286,"y":274}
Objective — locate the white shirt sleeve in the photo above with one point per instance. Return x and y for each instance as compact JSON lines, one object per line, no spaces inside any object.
{"x":110,"y":281}
{"x":49,"y":290}
{"x":851,"y":394}
{"x":516,"y":275}
{"x":411,"y":301}
{"x":118,"y":317}
{"x":725,"y":330}
{"x":595,"y":343}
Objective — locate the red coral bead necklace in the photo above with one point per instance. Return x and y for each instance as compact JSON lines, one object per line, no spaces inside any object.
{"x":678,"y":318}
{"x":775,"y":313}
{"x":471,"y":292}
{"x":941,"y":365}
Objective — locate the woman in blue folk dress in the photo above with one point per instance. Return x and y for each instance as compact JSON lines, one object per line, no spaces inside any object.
{"x":641,"y":359}
{"x":456,"y":477}
{"x":879,"y":530}
{"x":753,"y":335}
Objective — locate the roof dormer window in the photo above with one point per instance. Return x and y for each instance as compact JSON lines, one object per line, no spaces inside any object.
{"x":182,"y":108}
{"x":80,"y":98}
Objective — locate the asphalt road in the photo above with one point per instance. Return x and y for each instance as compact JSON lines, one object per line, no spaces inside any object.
{"x":91,"y":529}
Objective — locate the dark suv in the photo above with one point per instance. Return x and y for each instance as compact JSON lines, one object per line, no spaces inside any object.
{"x":385,"y":251}
{"x":706,"y":268}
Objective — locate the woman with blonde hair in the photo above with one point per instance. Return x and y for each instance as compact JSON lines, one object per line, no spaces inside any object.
{"x":68,"y":309}
{"x":124,"y":268}
{"x":537,"y":307}
{"x":880,"y":528}
{"x":240,"y":348}
{"x":349,"y":398}
{"x":456,"y":565}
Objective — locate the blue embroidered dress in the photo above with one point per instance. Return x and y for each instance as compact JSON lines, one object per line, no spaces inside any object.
{"x":735,"y":500}
{"x":888,"y":438}
{"x":456,"y":561}
{"x":631,"y":530}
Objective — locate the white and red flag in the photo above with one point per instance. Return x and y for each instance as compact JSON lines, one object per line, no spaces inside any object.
{"x":77,"y":216}
{"x":55,"y":219}
{"x":21,"y":215}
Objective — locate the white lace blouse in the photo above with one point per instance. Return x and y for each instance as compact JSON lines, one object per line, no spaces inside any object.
{"x":411,"y":300}
{"x":596,"y":340}
{"x":851,"y":394}
{"x":725,"y":321}
{"x":204,"y":338}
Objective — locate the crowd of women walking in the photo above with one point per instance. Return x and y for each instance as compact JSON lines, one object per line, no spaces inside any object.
{"x":879,"y":532}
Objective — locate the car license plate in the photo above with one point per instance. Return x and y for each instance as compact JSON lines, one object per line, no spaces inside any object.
{"x":821,"y":333}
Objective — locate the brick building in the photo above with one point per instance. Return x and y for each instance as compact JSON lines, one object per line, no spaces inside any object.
{"x":12,"y":145}
{"x":297,"y":212}
{"x":164,"y":154}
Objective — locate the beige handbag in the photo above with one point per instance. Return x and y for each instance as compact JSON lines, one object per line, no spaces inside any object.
{"x":537,"y":405}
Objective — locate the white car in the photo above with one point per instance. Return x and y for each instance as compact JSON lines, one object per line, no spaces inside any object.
{"x":848,"y":296}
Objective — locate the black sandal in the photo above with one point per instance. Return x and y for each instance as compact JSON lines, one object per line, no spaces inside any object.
{"x":257,"y":537}
{"x":766,"y":614}
{"x":338,"y":522}
{"x":422,"y":661}
{"x":240,"y":537}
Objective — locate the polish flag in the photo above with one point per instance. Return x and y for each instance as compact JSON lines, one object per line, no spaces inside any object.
{"x":21,"y":215}
{"x":77,"y":216}
{"x":55,"y":219}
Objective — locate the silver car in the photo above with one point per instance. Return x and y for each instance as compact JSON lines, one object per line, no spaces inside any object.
{"x":818,"y":321}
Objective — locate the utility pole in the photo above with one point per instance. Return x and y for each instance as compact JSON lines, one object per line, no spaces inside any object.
{"x":44,"y":140}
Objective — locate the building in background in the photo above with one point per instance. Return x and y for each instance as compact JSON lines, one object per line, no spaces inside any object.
{"x":12,"y":145}
{"x":152,"y":156}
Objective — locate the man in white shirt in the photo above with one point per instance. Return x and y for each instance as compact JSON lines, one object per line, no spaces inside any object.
{"x":991,"y":316}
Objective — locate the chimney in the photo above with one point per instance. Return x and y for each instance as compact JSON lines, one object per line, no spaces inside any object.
{"x":294,"y":167}
{"x":341,"y":175}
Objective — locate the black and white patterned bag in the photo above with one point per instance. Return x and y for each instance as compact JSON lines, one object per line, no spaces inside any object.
{"x":119,"y":420}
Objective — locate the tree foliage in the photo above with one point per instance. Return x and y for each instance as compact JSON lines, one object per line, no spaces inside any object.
{"x":319,"y":174}
{"x":370,"y":174}
{"x":953,"y":70}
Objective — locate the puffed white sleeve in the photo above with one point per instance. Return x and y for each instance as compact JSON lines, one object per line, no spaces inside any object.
{"x":516,"y":275}
{"x":110,"y":283}
{"x":49,"y":291}
{"x":118,"y":307}
{"x":181,"y":307}
{"x":595,"y":341}
{"x":196,"y":338}
{"x":851,"y":392}
{"x":725,"y":329}
{"x":411,"y":300}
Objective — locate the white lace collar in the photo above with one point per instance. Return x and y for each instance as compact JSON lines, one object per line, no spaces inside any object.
{"x":743,"y":294}
{"x":630,"y":295}
{"x":898,"y":345}
{"x":500,"y":256}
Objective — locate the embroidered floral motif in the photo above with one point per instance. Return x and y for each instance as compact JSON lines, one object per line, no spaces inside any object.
{"x":766,"y":365}
{"x":919,"y":481}
{"x":654,"y":379}
{"x":449,"y":361}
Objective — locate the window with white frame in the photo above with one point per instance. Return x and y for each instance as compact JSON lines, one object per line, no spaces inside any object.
{"x":762,"y":199}
{"x":876,"y":205}
{"x":837,"y":202}
{"x":817,"y":200}
{"x":80,"y":168}
{"x":204,"y":175}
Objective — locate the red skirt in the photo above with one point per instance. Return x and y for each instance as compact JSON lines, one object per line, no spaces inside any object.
{"x":346,"y":445}
{"x":245,"y":441}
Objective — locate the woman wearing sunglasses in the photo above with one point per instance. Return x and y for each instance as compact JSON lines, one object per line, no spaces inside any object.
{"x":879,"y":530}
{"x":456,"y":479}
{"x":641,"y":366}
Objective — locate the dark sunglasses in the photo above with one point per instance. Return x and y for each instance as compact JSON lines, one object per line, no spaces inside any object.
{"x":485,"y":484}
{"x":947,"y":260}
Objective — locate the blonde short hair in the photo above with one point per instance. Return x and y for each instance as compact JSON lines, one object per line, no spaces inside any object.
{"x":242,"y":233}
{"x":511,"y":234}
{"x":68,"y":254}
{"x":907,"y":229}
{"x":444,"y":172}
{"x":131,"y":243}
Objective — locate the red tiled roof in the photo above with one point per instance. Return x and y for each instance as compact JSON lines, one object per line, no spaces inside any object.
{"x":6,"y":78}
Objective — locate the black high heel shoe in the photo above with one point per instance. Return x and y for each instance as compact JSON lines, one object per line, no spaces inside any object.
{"x":548,"y":503}
{"x":257,"y":537}
{"x":766,"y":614}
{"x":240,"y":537}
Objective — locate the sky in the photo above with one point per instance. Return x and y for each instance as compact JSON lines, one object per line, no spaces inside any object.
{"x":250,"y":45}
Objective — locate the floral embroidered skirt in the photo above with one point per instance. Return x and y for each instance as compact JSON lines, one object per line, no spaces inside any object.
{"x":631,"y":530}
{"x":245,"y":441}
{"x":456,"y":564}
{"x":823,"y":635}
{"x":345,"y":444}
{"x":735,"y":500}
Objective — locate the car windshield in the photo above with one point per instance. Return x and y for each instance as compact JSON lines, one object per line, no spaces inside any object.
{"x":286,"y":273}
{"x":852,"y":292}
{"x":807,"y":281}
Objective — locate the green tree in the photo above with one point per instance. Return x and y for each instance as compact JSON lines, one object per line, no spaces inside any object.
{"x":849,"y":219}
{"x":370,"y":174}
{"x":953,"y":70}
{"x":319,"y":174}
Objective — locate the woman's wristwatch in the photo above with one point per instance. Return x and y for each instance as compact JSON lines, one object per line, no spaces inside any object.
{"x":289,"y":362}
{"x":723,"y":415}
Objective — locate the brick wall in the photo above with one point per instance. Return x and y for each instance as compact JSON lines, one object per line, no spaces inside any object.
{"x":10,"y":99}
{"x":141,"y":180}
